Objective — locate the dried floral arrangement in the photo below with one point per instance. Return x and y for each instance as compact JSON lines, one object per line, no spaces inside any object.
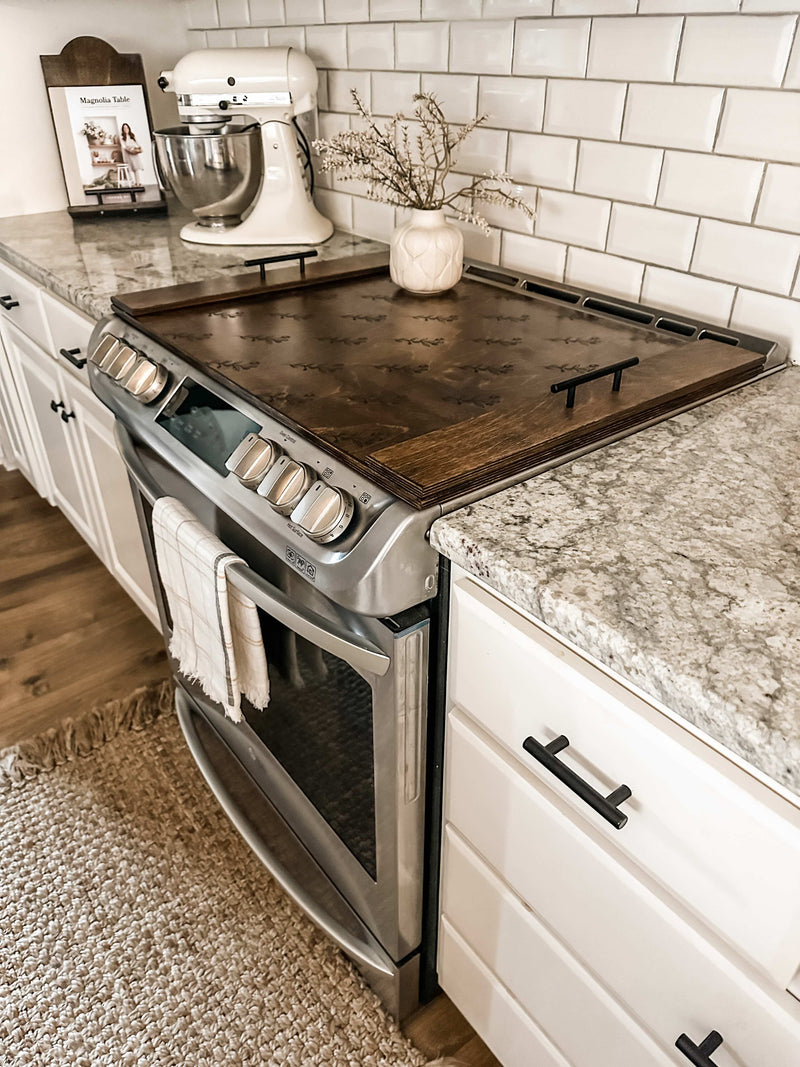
{"x":92,"y":130}
{"x":410,"y":169}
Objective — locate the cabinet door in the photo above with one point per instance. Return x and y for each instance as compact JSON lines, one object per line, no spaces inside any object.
{"x":123,"y":548}
{"x":15,"y":452}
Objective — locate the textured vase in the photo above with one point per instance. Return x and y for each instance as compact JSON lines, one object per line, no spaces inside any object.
{"x":426,"y":253}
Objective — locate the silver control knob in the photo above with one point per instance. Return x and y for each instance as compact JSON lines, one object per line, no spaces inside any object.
{"x":324,"y":512}
{"x":105,"y":350}
{"x":285,"y":484}
{"x":251,"y":459}
{"x":119,"y":363}
{"x":146,"y":381}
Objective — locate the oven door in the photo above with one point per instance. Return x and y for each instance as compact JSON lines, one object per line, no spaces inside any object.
{"x":339,"y":753}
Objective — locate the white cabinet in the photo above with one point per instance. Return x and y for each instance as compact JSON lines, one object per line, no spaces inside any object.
{"x":16,"y":447}
{"x":610,"y":943}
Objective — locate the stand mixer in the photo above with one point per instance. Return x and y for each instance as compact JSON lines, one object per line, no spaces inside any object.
{"x":240,"y":146}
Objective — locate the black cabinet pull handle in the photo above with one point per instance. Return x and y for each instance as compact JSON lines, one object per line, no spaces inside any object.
{"x":69,"y":355}
{"x":699,"y":1055}
{"x":607,"y":807}
{"x":286,"y":258}
{"x":571,"y":384}
{"x":9,"y":302}
{"x":67,"y":415}
{"x":55,"y":406}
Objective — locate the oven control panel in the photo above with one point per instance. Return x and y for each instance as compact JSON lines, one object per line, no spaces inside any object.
{"x":144,"y":379}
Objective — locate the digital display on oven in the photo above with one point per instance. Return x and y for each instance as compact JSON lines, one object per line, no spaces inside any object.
{"x":206,"y":424}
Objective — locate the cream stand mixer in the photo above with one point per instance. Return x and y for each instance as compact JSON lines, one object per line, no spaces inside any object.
{"x":240,"y":146}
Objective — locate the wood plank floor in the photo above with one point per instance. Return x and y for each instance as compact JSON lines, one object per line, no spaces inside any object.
{"x":71,"y":637}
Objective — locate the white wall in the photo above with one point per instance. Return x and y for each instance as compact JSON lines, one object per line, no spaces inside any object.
{"x":659,"y":138}
{"x":30,"y":173}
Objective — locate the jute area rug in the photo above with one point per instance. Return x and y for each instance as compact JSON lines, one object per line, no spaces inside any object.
{"x":136,"y":928}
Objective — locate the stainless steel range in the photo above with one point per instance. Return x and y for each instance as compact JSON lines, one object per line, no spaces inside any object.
{"x":336,"y":784}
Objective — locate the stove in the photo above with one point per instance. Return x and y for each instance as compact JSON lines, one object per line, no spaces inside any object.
{"x":319,"y":419}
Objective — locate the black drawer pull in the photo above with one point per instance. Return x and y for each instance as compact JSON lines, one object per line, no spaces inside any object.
{"x":69,"y":354}
{"x":699,"y":1055}
{"x":605,"y":806}
{"x":9,"y":302}
{"x":67,"y":415}
{"x":571,"y":384}
{"x":55,"y":406}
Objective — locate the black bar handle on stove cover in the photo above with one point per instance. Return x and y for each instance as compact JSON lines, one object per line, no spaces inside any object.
{"x":69,"y":354}
{"x":607,"y":807}
{"x":9,"y":302}
{"x":570,"y":384}
{"x":699,"y":1055}
{"x":286,"y":258}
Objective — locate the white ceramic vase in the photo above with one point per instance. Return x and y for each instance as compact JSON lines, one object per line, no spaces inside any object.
{"x":426,"y":253}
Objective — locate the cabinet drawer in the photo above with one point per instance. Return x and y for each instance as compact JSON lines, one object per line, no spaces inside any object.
{"x":70,"y":332}
{"x":508,"y":1031}
{"x":652,"y":959}
{"x":534,"y":966}
{"x":28,"y":314}
{"x":719,"y":840}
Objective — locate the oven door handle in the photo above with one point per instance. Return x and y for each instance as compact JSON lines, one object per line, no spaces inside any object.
{"x":367,"y":952}
{"x":331,"y":637}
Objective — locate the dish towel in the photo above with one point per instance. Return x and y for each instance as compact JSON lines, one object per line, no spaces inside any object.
{"x":216,"y":636}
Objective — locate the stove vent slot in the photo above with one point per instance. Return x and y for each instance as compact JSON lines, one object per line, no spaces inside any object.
{"x":672,"y":326}
{"x":552,"y":291}
{"x":618,"y":310}
{"x":491,"y":275}
{"x":723,"y":338}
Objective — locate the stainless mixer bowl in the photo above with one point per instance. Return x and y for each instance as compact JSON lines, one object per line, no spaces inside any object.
{"x":216,"y":174}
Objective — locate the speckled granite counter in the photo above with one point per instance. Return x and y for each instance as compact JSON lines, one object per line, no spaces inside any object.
{"x":87,"y":261}
{"x":672,"y":557}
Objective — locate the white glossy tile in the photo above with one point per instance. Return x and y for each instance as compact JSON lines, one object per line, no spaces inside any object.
{"x":201,"y":14}
{"x":370,"y":47}
{"x":481,"y":47}
{"x":792,"y":78}
{"x":457,"y":93}
{"x":710,"y":185}
{"x":506,"y":218}
{"x":393,"y":91}
{"x":634,"y":49}
{"x":579,"y":220}
{"x":340,"y":84}
{"x":338,"y":207}
{"x":483,"y":151}
{"x":672,"y":116}
{"x":327,"y":46}
{"x":451,"y":9}
{"x":304,"y":12}
{"x":532,"y":255}
{"x":221,"y":38}
{"x":288,"y":37}
{"x":372,"y":219}
{"x":233,"y":13}
{"x":746,"y":255}
{"x":761,"y":124}
{"x":652,"y":235}
{"x":513,"y":103}
{"x":604,"y":273}
{"x":553,"y":47}
{"x":267,"y":12}
{"x":421,"y":45}
{"x":618,"y":171}
{"x":196,"y":38}
{"x":393,"y":10}
{"x":734,"y":50}
{"x":585,"y":109}
{"x":594,"y":7}
{"x":698,"y":298}
{"x":346,"y":10}
{"x":477,"y":244}
{"x":769,"y":316}
{"x":537,"y":159}
{"x":780,"y":198}
{"x":769,"y":5}
{"x":684,"y":7}
{"x":501,"y":9}
{"x":253,"y":37}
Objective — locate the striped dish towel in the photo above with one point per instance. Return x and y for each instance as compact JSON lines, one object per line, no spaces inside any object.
{"x":216,"y":636}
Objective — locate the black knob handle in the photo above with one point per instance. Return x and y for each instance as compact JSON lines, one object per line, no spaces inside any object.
{"x":699,"y":1055}
{"x":231,"y":81}
{"x":69,"y":355}
{"x":224,"y":105}
{"x":67,"y":415}
{"x":162,"y":82}
{"x":9,"y":302}
{"x":55,"y":406}
{"x":607,"y":807}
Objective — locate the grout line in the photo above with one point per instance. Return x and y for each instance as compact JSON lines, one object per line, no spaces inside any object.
{"x":736,"y":291}
{"x":719,"y":121}
{"x":622,"y":115}
{"x":661,"y":170}
{"x":761,"y":185}
{"x":688,"y":268}
{"x":795,"y":277}
{"x":678,"y":52}
{"x":789,"y":54}
{"x":588,"y":48}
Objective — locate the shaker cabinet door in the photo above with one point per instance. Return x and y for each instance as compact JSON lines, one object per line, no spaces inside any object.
{"x":16,"y":448}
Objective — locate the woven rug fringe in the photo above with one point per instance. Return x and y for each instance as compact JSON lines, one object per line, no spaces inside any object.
{"x":81,"y":736}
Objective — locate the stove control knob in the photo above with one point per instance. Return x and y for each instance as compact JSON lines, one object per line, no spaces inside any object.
{"x":119,"y":364}
{"x":251,"y":459}
{"x":324,"y":512}
{"x":146,"y":381}
{"x":105,"y":350}
{"x":285,"y":484}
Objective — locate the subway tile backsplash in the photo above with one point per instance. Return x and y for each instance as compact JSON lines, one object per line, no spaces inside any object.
{"x":659,"y":139}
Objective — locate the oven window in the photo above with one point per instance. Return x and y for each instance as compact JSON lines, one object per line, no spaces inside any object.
{"x":318,"y":725}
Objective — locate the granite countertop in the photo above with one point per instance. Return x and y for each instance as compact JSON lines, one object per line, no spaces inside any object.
{"x":671,"y":557}
{"x":87,"y":261}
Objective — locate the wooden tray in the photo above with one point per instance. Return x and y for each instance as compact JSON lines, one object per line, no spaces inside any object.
{"x":430,"y":397}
